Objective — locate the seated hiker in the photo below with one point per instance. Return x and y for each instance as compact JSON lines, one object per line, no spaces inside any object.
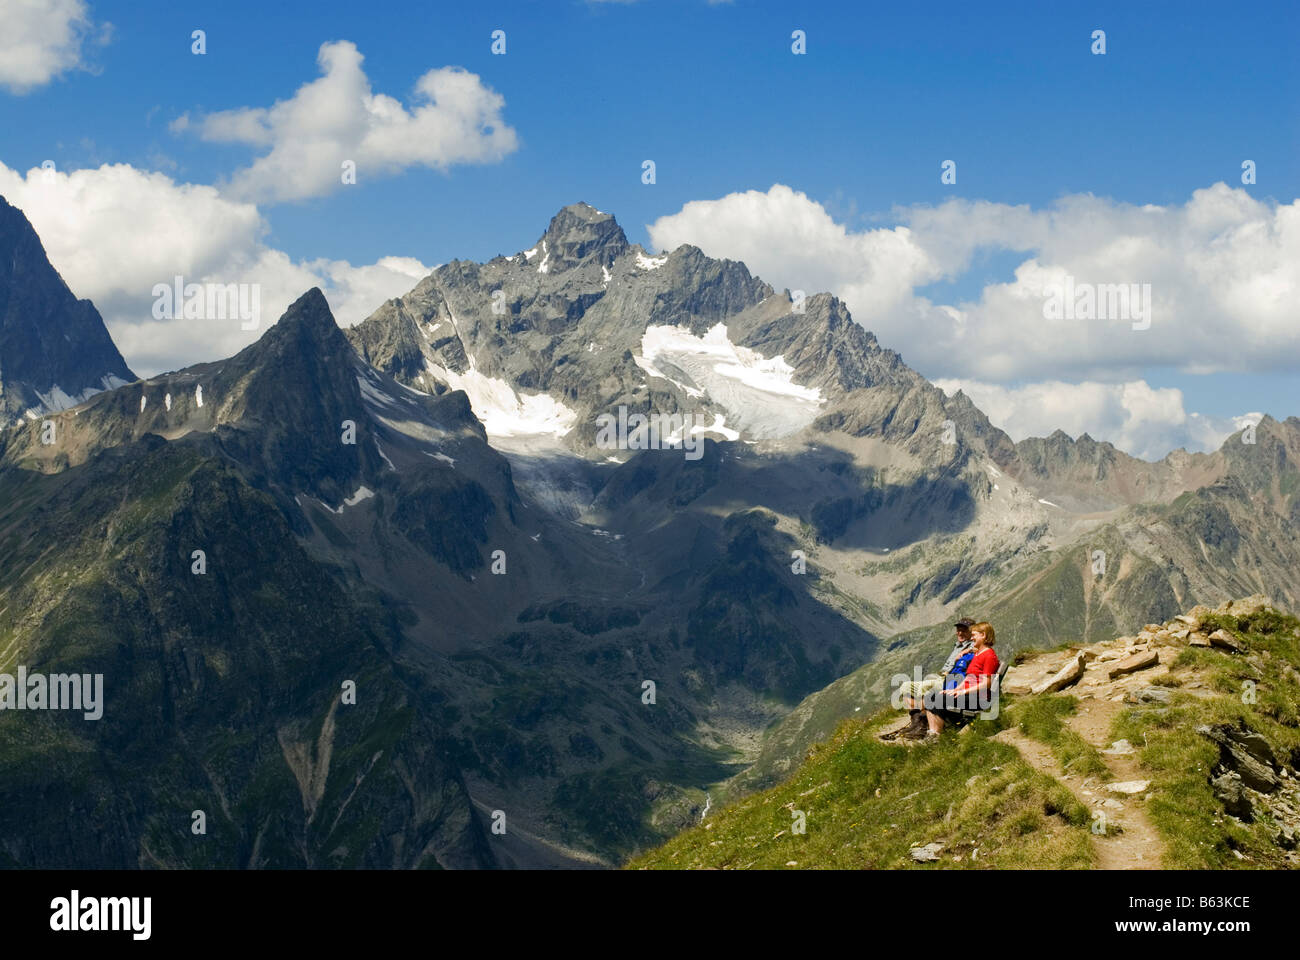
{"x":981,"y":670}
{"x":952,"y":672}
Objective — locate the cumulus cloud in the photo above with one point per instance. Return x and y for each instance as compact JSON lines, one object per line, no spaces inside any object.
{"x":1142,"y":420}
{"x":1222,"y":272}
{"x":453,"y":119}
{"x":116,"y":231}
{"x":43,"y":39}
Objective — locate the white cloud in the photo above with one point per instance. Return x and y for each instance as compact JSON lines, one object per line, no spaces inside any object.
{"x":454,"y":119}
{"x":116,"y":231}
{"x":42,"y":39}
{"x":1144,"y":421}
{"x":1224,"y":270}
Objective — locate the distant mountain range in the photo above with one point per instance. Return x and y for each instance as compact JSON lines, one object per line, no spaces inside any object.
{"x":431,"y":603}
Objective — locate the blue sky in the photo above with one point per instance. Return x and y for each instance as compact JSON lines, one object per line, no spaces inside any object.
{"x":713,"y":94}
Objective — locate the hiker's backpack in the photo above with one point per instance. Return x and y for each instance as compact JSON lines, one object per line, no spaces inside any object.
{"x":958,"y":671}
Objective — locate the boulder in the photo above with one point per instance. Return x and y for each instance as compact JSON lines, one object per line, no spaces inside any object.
{"x":1018,"y":681}
{"x":1067,"y":675}
{"x":1198,"y":640}
{"x":1248,"y":605}
{"x":1226,"y":641}
{"x":1236,"y":758}
{"x":1139,"y":661}
{"x":1191,"y":621}
{"x":1229,"y":791}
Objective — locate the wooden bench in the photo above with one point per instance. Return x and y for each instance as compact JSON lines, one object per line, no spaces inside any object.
{"x":956,"y":719}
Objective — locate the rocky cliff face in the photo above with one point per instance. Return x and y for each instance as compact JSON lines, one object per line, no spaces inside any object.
{"x":55,"y":351}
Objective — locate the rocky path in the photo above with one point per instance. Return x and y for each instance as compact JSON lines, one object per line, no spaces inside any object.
{"x":1130,"y":841}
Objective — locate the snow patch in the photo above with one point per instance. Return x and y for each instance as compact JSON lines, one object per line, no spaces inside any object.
{"x":758,"y":392}
{"x":363,"y":493}
{"x":1049,"y":503}
{"x":650,"y":263}
{"x":450,"y":461}
{"x":719,"y":426}
{"x":504,"y":411}
{"x":58,"y":399}
{"x":384,"y":455}
{"x":605,"y":272}
{"x":545,"y":266}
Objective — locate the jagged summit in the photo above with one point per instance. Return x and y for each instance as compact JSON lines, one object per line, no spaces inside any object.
{"x":55,"y":351}
{"x":308,"y":320}
{"x":580,"y":232}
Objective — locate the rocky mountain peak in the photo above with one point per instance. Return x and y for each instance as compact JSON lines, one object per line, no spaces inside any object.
{"x":580,"y":232}
{"x":310,"y":315}
{"x":54,"y":349}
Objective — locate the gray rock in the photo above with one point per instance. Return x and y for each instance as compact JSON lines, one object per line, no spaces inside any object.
{"x":1139,"y":661}
{"x":1235,"y":757}
{"x":927,"y":853}
{"x":1225,"y":641}
{"x":1230,"y":791}
{"x":1067,"y":675}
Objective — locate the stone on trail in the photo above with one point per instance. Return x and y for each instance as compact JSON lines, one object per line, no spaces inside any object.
{"x":1129,"y":787}
{"x":1139,"y":661}
{"x":1119,"y":748}
{"x":1068,"y":674}
{"x":1226,"y":641}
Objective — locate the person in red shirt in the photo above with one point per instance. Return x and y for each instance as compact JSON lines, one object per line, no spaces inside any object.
{"x":980,"y":672}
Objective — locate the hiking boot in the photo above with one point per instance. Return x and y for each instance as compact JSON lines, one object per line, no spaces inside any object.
{"x":918,"y":725}
{"x":916,"y":731}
